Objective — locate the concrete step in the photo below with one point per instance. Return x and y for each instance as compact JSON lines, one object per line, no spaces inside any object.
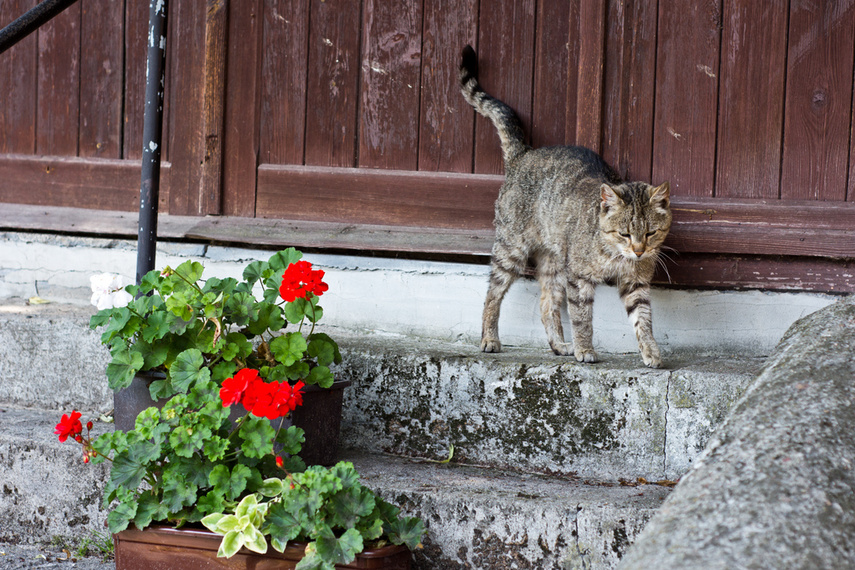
{"x":477,"y":517}
{"x":528,"y":409}
{"x":523,"y":409}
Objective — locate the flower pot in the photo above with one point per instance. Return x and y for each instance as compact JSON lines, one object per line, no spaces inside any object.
{"x":319,"y":416}
{"x":166,"y":548}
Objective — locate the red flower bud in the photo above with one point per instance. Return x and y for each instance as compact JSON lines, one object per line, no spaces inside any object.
{"x":279,"y":461}
{"x":89,"y":425}
{"x":86,"y":458}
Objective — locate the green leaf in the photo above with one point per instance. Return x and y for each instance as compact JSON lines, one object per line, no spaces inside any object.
{"x":123,"y":513}
{"x":296,"y":310}
{"x":352,"y":504}
{"x":187,"y":439}
{"x":258,"y":435}
{"x":149,"y":508}
{"x":407,"y":530}
{"x":188,"y":369}
{"x":288,"y":348}
{"x":211,"y":521}
{"x":156,"y":327}
{"x":282,"y":259}
{"x":186,"y":274}
{"x":123,"y":368}
{"x":271,"y":487}
{"x":177,"y":492}
{"x":291,"y":439}
{"x":341,"y":550}
{"x":212,"y":502}
{"x":324,"y":349}
{"x":284,"y":524}
{"x":321,"y":376}
{"x":119,"y":318}
{"x":230,"y":484}
{"x":237,"y":346}
{"x":154,"y":354}
{"x":130,"y":467}
{"x":232,"y":542}
{"x":269,"y":316}
{"x":254,"y":272}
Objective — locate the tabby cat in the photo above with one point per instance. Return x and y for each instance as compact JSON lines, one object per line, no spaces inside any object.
{"x":570,"y":213}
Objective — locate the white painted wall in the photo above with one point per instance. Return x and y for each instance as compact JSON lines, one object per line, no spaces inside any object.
{"x":419,"y":298}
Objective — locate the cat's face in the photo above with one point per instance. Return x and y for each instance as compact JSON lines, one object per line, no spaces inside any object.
{"x":635,"y":218}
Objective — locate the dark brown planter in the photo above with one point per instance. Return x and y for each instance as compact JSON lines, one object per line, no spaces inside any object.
{"x":166,"y":548}
{"x":319,"y":416}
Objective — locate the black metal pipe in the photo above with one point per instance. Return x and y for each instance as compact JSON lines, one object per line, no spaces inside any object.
{"x":30,"y":22}
{"x":152,"y":131}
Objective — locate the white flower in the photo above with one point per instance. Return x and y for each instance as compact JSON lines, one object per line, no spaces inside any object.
{"x":108,"y":292}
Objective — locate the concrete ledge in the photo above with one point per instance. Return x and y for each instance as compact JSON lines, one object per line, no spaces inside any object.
{"x":528,"y":409}
{"x":775,"y":487}
{"x":487,"y":518}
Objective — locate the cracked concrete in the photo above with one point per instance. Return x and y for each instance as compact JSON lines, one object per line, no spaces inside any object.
{"x":527,"y":409}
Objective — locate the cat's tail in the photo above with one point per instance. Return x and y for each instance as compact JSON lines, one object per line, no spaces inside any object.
{"x":503,"y":117}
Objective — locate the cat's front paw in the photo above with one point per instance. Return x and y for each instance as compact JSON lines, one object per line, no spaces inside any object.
{"x":491,"y":345}
{"x":651,"y":357}
{"x":586,"y":355}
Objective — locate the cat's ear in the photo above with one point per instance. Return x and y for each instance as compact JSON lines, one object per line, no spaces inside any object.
{"x":609,"y":198}
{"x":661,"y":196}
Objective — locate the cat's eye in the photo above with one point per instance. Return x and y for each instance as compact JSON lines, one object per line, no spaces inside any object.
{"x":651,"y":234}
{"x":624,"y":235}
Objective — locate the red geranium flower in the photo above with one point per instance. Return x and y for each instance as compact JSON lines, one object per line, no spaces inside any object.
{"x":300,"y":279}
{"x":69,"y":425}
{"x":233,"y":388}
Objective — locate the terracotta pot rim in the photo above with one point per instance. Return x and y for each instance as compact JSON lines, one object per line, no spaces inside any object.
{"x":135,"y":535}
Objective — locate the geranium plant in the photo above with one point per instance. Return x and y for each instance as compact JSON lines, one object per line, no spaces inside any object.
{"x":219,"y":449}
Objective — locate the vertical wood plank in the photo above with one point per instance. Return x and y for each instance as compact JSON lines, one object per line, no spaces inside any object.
{"x":242,"y":112}
{"x":589,"y":96}
{"x":58,"y":106}
{"x":213,"y":104}
{"x":186,"y":55}
{"x":506,"y":68}
{"x":136,"y":31}
{"x":101,"y":68}
{"x":445,"y":125}
{"x":819,"y":94}
{"x":629,"y":87}
{"x":18,"y":80}
{"x":333,"y":83}
{"x":751,"y":98}
{"x":283,"y":95}
{"x":390,"y":71}
{"x":684,"y":132}
{"x":553,"y":115}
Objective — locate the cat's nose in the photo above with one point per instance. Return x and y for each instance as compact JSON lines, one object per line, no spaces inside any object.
{"x":638,"y":251}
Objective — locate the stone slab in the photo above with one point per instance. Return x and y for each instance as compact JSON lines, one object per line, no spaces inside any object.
{"x":775,"y":486}
{"x":528,"y":409}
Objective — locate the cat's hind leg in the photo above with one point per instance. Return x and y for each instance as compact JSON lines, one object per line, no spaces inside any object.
{"x":580,"y":305}
{"x":504,"y":270}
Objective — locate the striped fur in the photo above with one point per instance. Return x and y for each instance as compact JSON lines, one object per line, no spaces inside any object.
{"x":582,"y":225}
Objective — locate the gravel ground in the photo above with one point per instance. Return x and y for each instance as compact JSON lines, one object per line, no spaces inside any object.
{"x":35,"y":556}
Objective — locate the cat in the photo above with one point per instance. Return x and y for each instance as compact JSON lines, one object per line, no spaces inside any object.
{"x":568,"y":211}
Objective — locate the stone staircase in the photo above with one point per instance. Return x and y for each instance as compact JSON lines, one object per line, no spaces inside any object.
{"x":555,"y":464}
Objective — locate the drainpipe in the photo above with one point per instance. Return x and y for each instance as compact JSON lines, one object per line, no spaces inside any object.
{"x":30,"y":21}
{"x":152,"y":131}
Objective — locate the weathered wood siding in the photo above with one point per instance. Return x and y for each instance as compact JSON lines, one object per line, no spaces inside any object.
{"x":348,"y":111}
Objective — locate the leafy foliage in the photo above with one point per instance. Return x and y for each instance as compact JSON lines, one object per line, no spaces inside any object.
{"x":215,"y":345}
{"x":326,"y":507}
